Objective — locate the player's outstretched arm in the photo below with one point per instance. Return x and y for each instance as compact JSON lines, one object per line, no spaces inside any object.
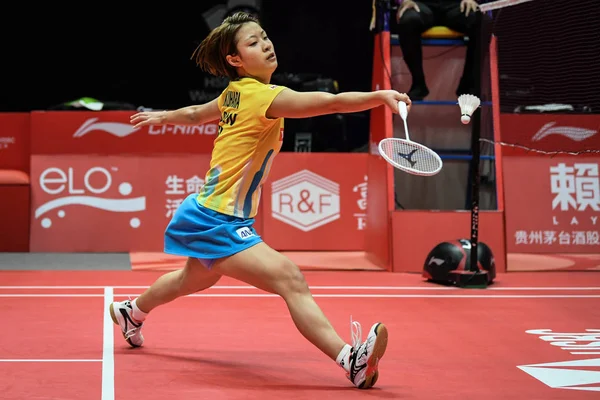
{"x":190,"y":115}
{"x":292,"y":104}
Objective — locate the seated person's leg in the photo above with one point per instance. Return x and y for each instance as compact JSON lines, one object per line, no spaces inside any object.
{"x":470,"y":25}
{"x":409,"y":28}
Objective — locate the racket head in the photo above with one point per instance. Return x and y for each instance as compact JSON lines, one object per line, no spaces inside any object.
{"x":409,"y":156}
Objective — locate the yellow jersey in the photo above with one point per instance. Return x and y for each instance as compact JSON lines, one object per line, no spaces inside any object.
{"x":243,"y":152}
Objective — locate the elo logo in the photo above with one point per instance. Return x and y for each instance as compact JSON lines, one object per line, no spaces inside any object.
{"x":87,"y":189}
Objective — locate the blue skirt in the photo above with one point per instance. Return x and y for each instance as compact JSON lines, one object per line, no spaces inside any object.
{"x":198,"y":232}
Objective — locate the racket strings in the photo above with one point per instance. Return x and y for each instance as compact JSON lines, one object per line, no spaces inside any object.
{"x":411,"y":155}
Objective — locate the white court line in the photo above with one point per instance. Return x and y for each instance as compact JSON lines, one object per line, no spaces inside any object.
{"x":108,"y":360}
{"x":239,"y":287}
{"x":50,"y":295}
{"x":53,"y":360}
{"x":338,"y":295}
{"x":393,"y":296}
{"x":508,"y":288}
{"x":242,"y":287}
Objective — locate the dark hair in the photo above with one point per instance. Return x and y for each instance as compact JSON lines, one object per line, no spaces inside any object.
{"x":211,"y":54}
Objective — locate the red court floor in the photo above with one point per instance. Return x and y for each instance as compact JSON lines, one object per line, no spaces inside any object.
{"x":530,"y":336}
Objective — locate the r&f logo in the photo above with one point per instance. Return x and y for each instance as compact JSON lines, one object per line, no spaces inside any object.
{"x":305,"y":200}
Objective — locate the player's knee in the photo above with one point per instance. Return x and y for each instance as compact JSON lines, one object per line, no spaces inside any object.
{"x":195,"y":277}
{"x":292,"y":280}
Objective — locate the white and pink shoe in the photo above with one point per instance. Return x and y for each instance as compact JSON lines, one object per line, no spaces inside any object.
{"x":364,"y":359}
{"x":120,"y":312}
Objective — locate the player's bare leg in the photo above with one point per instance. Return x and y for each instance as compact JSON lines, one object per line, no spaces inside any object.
{"x":266,"y":269}
{"x":193,"y":278}
{"x":130,"y":315}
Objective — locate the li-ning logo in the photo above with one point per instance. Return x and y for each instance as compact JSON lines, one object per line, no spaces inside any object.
{"x":117,"y":129}
{"x":96,"y":181}
{"x":573,"y":133}
{"x":408,"y":157}
{"x":436,"y":261}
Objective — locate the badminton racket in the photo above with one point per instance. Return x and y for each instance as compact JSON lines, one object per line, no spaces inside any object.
{"x":409,"y":156}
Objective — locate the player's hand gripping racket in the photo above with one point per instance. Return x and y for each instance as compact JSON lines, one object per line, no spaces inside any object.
{"x":407,"y":155}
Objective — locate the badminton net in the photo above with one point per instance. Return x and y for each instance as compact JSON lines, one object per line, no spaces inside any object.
{"x":548,"y":63}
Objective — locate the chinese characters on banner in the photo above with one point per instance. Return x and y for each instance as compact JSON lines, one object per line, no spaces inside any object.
{"x":552,"y":204}
{"x":361,"y":214}
{"x":177,"y":189}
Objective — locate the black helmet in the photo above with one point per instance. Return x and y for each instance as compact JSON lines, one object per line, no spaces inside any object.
{"x":449,"y":262}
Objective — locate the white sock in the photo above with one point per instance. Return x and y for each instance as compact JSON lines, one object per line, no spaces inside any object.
{"x":343,"y":359}
{"x":136,"y":313}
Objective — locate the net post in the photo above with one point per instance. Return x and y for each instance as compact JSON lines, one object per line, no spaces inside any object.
{"x":475,"y":161}
{"x":497,"y":136}
{"x":476,"y":155}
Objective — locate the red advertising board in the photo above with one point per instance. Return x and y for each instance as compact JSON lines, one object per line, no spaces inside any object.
{"x":552,"y":204}
{"x":109,"y":132}
{"x":316,"y":202}
{"x":83,"y":203}
{"x":14,"y":141}
{"x":550,"y":132}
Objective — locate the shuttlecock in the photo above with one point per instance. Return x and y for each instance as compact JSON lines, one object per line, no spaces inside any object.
{"x":468,"y":104}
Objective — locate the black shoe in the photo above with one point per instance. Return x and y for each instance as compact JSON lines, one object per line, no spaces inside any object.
{"x":418,"y":92}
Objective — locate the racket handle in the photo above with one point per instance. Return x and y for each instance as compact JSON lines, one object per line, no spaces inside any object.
{"x":402,"y":109}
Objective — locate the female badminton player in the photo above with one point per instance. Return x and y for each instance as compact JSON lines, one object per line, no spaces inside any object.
{"x":214,"y":228}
